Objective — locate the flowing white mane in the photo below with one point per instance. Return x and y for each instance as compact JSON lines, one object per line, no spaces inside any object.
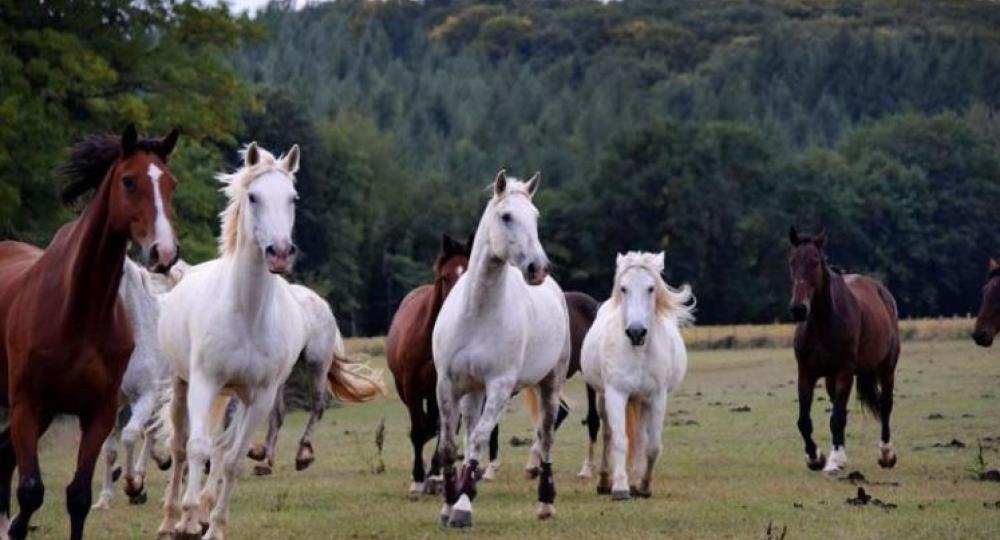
{"x":235,"y":185}
{"x":677,"y":304}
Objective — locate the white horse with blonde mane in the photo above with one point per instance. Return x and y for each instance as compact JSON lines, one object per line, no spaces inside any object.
{"x":233,"y":328}
{"x":634,"y":356}
{"x":504,"y":327}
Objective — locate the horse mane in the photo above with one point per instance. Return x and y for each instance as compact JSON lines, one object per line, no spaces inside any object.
{"x":89,"y":161}
{"x":677,"y":304}
{"x":235,"y":185}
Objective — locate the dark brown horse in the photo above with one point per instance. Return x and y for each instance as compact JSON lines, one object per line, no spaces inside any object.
{"x":408,"y":352}
{"x":64,"y":337}
{"x":847,"y":328}
{"x":988,"y":319}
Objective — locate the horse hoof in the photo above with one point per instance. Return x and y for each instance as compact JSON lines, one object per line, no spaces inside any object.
{"x":261,"y":470}
{"x":603,"y":489}
{"x":165,"y":464}
{"x":546,"y":511}
{"x":101,"y":504}
{"x":461,"y":513}
{"x":887,"y":463}
{"x":620,"y":495}
{"x":490,"y":474}
{"x":816,"y":464}
{"x":116,"y":473}
{"x":302,"y":464}
{"x":445,"y":515}
{"x":639,"y":492}
{"x":137,"y":499}
{"x":586,"y":473}
{"x":531,"y":473}
{"x":257,"y":452}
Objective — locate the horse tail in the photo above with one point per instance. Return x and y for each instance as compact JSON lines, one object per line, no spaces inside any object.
{"x":351,"y":380}
{"x":531,"y":398}
{"x":869,"y":393}
{"x":632,"y":431}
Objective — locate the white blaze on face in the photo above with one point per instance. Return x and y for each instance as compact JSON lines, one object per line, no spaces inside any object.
{"x":164,"y":234}
{"x":459,"y":271}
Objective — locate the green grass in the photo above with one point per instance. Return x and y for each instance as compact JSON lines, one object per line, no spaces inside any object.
{"x":727,"y":477}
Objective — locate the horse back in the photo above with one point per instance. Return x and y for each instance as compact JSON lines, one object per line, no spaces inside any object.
{"x":408,"y":345}
{"x":879,"y":327}
{"x":582,"y":312}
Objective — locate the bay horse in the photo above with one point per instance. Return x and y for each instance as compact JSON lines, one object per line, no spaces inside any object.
{"x":988,"y":318}
{"x":504,"y":327}
{"x":233,"y":327}
{"x":847,"y":327}
{"x":324,"y":347}
{"x":634,"y":356}
{"x":65,"y":336}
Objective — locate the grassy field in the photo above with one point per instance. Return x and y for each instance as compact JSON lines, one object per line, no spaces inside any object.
{"x":724,"y":474}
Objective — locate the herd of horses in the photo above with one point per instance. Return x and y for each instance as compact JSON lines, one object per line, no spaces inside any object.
{"x":200,"y":355}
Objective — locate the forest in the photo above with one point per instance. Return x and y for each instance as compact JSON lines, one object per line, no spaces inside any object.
{"x":704,"y":129}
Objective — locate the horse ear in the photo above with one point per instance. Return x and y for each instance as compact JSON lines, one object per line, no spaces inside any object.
{"x":820,"y":239}
{"x":658,"y":260}
{"x":251,"y":156}
{"x":500,"y":183}
{"x":619,"y":259}
{"x":793,"y":237}
{"x":448,"y":245}
{"x":130,"y":139}
{"x":994,"y":265}
{"x":291,"y":161}
{"x":167,"y":144}
{"x":533,"y":183}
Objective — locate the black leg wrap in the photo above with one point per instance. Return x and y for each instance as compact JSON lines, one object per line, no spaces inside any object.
{"x":546,"y":484}
{"x":468,"y":486}
{"x":450,"y":486}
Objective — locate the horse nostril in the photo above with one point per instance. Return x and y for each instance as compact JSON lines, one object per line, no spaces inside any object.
{"x":293,"y":250}
{"x":269,"y":251}
{"x":154,"y":254}
{"x":532,"y":269}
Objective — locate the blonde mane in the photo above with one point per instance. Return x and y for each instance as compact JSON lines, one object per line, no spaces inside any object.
{"x":677,"y":304}
{"x":235,"y":186}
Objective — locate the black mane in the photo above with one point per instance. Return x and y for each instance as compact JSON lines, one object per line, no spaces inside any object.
{"x":89,"y":161}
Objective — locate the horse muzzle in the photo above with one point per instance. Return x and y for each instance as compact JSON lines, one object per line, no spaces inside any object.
{"x":799,"y":312}
{"x":636,"y":334}
{"x":535,"y":274}
{"x":280,"y":258}
{"x":983,"y":338}
{"x":161,"y":258}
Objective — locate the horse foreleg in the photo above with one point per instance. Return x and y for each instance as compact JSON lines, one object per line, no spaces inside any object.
{"x":110,"y":452}
{"x":653,"y":414}
{"x":265,"y":452}
{"x":201,"y":395}
{"x":471,"y":407}
{"x":548,"y":392}
{"x":593,"y":426}
{"x":254,"y":415}
{"x":814,"y":460}
{"x":840,"y":393}
{"x":26,"y":426}
{"x":142,"y":410}
{"x":615,"y":404}
{"x":95,"y":430}
{"x":306,"y":455}
{"x":178,"y":454}
{"x":887,"y":454}
{"x":447,"y":398}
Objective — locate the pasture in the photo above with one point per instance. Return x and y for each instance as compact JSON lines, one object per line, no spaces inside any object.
{"x":725,"y":473}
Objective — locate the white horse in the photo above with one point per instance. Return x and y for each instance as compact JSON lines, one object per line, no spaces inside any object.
{"x":504,"y":327}
{"x":143,"y":385}
{"x":232,"y":327}
{"x":324,"y":345}
{"x":633,"y":356}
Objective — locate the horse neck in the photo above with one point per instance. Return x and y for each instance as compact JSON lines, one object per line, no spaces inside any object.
{"x":251,"y":285}
{"x":93,"y":255}
{"x":828,"y":304}
{"x":487,"y":274}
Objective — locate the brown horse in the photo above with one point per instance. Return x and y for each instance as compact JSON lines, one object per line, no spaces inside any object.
{"x":408,"y":352}
{"x":64,"y":336}
{"x":988,"y":319}
{"x":847,"y":328}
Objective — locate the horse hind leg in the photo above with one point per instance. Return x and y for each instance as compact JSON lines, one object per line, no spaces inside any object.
{"x":887,"y":454}
{"x":548,"y":393}
{"x":447,"y":399}
{"x":418,"y":425}
{"x":604,"y":473}
{"x":306,"y":455}
{"x":652,"y":426}
{"x":265,"y":452}
{"x":178,"y":452}
{"x":593,"y":421}
{"x":142,"y":410}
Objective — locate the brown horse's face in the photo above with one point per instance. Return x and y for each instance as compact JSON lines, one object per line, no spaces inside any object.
{"x":451,"y":264}
{"x":141,"y":198}
{"x":806,"y":265}
{"x":988,"y":319}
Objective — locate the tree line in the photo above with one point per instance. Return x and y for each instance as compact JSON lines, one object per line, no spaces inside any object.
{"x":705,"y":129}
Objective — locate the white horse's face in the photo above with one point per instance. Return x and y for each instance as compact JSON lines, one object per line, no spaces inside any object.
{"x":270,"y":218}
{"x":638,"y":292}
{"x":513,"y":230}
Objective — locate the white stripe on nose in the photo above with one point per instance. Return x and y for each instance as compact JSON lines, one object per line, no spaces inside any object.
{"x":164,"y":234}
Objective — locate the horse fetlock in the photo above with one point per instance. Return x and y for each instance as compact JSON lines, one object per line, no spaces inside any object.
{"x":490,"y":474}
{"x":817,"y":463}
{"x":835,"y":463}
{"x":887,"y":455}
{"x":604,"y":484}
{"x":305,"y":456}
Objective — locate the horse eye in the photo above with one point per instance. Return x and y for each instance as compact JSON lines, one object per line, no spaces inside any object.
{"x":505,"y":217}
{"x":624,"y":290}
{"x":253,"y":199}
{"x":129,"y":183}
{"x":650,"y":289}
